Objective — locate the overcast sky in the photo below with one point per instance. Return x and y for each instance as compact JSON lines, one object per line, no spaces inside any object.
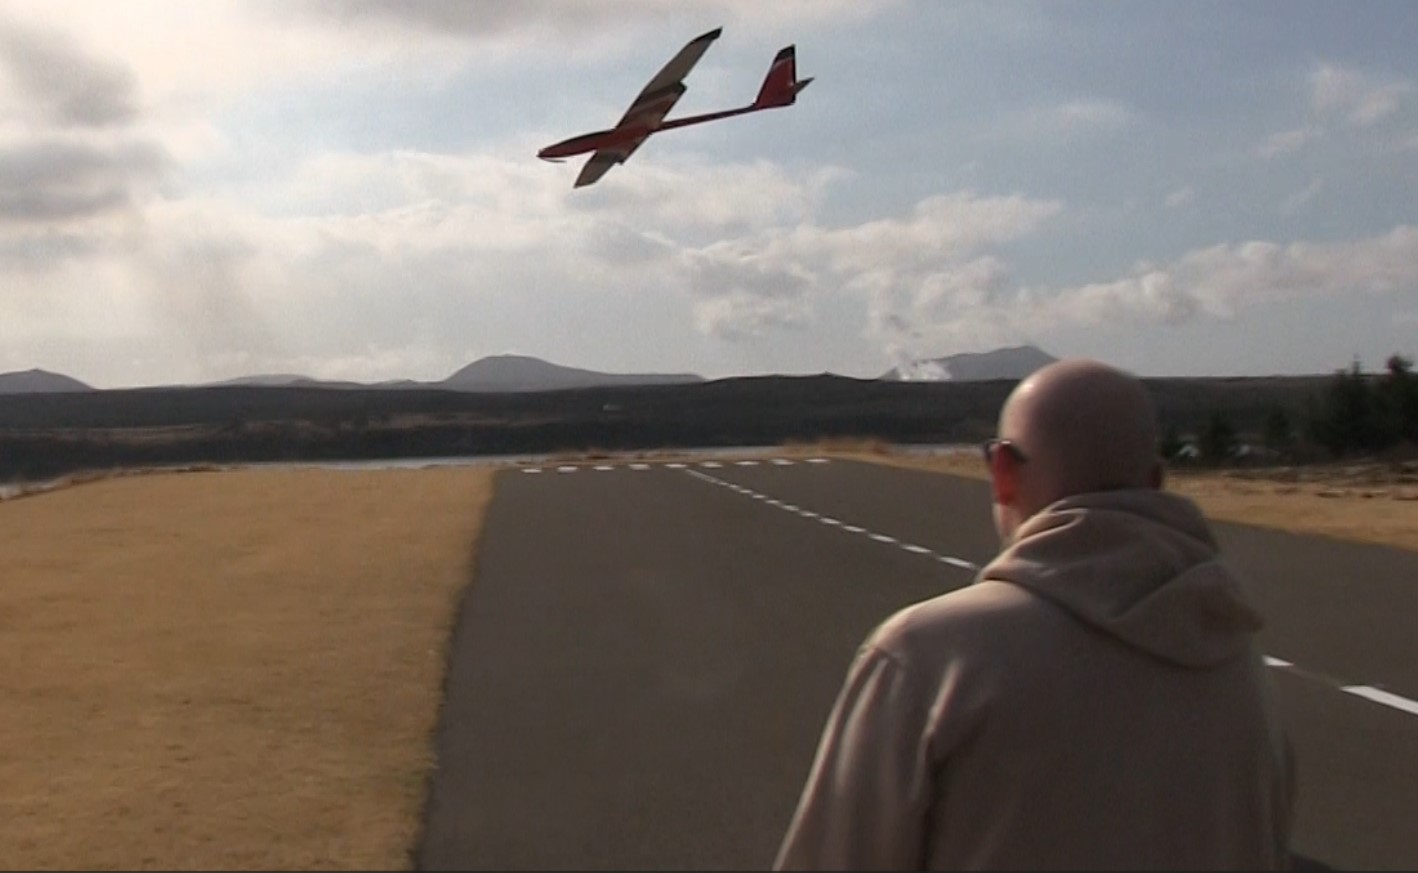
{"x":192,"y":191}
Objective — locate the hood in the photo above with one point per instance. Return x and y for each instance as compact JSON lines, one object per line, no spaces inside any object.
{"x":1139,"y":565}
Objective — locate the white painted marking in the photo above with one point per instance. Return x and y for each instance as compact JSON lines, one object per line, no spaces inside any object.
{"x":746,"y":463}
{"x":1378,"y":695}
{"x":566,"y":468}
{"x":1368,"y":692}
{"x":782,"y":462}
{"x":604,"y":467}
{"x":531,"y":469}
{"x":639,"y":466}
{"x":676,"y":465}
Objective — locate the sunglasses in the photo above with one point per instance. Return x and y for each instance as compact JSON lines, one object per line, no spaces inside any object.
{"x":991,"y":447}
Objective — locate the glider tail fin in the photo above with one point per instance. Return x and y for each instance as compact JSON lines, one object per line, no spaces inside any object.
{"x":781,"y":85}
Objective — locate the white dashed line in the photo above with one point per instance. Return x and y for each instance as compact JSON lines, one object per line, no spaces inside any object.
{"x":675,"y":465}
{"x":711,"y":465}
{"x":782,"y":462}
{"x":1378,"y":695}
{"x":956,"y":562}
{"x":639,"y":466}
{"x":531,"y":469}
{"x":1367,"y":692}
{"x":566,"y":468}
{"x":746,"y":463}
{"x":604,"y":467}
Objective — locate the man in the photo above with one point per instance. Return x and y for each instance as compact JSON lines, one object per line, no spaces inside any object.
{"x":1094,"y":700}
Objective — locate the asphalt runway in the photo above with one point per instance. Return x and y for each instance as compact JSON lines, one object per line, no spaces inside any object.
{"x":644,"y":661}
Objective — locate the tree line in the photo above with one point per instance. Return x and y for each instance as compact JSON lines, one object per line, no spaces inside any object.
{"x":1357,"y":414}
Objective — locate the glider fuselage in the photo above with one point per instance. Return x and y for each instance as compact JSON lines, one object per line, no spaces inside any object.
{"x":629,"y":133}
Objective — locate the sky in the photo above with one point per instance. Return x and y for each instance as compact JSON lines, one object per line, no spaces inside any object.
{"x":196,"y":190}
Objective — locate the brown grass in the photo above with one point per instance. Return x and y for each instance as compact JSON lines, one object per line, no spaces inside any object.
{"x":227,"y":670}
{"x":1334,"y":500}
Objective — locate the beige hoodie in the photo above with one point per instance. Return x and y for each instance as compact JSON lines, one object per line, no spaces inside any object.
{"x":1094,"y":701}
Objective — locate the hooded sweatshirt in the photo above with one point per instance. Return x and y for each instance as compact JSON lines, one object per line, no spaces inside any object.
{"x":1095,"y":700}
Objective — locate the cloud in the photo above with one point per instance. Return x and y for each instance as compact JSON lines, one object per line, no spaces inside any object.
{"x":1354,"y":96}
{"x":926,"y":265}
{"x":51,"y":179}
{"x":1180,"y":197}
{"x":498,"y":18}
{"x":1339,"y":97}
{"x":1288,"y":141}
{"x":61,"y":82}
{"x":1068,"y":120}
{"x":1213,"y":282}
{"x":1297,"y":201}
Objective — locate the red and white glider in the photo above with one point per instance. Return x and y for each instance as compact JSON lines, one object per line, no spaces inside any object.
{"x":647,"y":114}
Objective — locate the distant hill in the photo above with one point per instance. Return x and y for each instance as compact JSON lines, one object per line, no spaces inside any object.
{"x":39,"y":382}
{"x":282,"y":380}
{"x":1014,"y":362}
{"x":522,"y":373}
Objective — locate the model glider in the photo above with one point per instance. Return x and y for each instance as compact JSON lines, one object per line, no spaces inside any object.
{"x":647,"y":114}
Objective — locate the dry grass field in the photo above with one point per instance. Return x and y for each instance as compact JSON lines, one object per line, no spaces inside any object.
{"x":242,"y":670}
{"x":1371,"y":502}
{"x":227,"y":670}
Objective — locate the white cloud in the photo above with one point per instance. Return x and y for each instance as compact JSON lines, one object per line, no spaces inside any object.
{"x":1300,"y":199}
{"x":1068,"y":120}
{"x":1213,"y":282}
{"x":1354,"y":96}
{"x":1180,"y":197}
{"x":1340,"y":97}
{"x":1288,"y":141}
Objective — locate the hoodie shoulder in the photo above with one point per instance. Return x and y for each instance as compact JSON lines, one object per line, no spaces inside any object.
{"x":956,"y":624}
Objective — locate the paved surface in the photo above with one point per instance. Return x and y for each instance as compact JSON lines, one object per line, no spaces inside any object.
{"x":643,"y":664}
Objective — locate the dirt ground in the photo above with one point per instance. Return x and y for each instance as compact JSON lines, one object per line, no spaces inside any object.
{"x":1364,"y":501}
{"x":227,"y":670}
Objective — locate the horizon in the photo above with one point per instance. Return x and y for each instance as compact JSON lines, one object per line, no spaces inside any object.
{"x":561,"y":366}
{"x":349,"y":190}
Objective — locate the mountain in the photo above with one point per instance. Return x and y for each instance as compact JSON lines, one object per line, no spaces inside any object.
{"x":39,"y":382}
{"x":1014,"y":362}
{"x":521,"y":373}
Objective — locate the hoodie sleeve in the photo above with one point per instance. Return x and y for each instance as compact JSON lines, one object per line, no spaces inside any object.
{"x":867,"y":794}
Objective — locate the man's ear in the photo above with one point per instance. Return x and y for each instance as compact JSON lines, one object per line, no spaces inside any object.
{"x":1004,"y":479}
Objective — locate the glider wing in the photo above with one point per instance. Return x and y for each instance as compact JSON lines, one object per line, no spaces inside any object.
{"x":674,"y":72}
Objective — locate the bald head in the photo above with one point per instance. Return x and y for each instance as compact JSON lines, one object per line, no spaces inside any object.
{"x":1084,"y":426}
